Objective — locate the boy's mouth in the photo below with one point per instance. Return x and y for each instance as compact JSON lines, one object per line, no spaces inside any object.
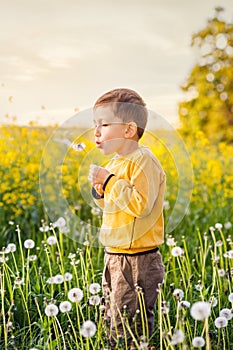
{"x":98,"y":143}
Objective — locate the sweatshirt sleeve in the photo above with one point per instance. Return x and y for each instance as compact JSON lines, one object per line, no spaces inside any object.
{"x":137,"y":195}
{"x":98,"y":199}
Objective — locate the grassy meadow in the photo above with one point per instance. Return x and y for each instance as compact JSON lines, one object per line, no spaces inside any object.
{"x":51,"y":268}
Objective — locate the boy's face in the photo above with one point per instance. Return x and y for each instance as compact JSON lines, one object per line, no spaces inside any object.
{"x":109,"y":131}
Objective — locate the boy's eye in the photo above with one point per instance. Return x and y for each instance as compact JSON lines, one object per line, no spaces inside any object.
{"x":101,"y":125}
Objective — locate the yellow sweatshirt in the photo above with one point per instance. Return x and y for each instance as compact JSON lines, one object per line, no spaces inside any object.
{"x":133,"y":204}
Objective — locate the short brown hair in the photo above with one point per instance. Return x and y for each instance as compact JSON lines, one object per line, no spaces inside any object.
{"x":127,"y":105}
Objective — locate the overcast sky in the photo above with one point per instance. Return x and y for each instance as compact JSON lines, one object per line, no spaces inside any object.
{"x":57,"y":56}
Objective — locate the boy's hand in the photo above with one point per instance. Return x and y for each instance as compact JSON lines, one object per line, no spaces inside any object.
{"x":97,"y":175}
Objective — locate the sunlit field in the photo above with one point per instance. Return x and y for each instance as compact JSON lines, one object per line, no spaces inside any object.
{"x":50,"y":280}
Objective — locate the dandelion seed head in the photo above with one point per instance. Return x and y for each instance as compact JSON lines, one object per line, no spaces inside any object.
{"x":200,"y":310}
{"x":230,"y":298}
{"x":211,"y":228}
{"x":68,"y":276}
{"x":184,"y":304}
{"x":29,"y":244}
{"x":218,"y":226}
{"x":94,"y":288}
{"x":19,"y":281}
{"x":61,"y":222}
{"x":213,"y":301}
{"x":220,"y":322}
{"x":94,"y":300}
{"x":44,"y":228}
{"x":198,"y":342}
{"x":219,"y":243}
{"x":75,"y":295}
{"x":227,"y":225}
{"x":11,"y":222}
{"x":177,"y":251}
{"x":226,"y":313}
{"x":51,"y":240}
{"x":170,"y":241}
{"x":50,"y":280}
{"x":51,"y":310}
{"x":88,"y":329}
{"x":143,"y":345}
{"x":178,"y":293}
{"x":32,"y":257}
{"x":58,"y":279}
{"x":71,"y":255}
{"x":177,"y":337}
{"x":166,"y":205}
{"x":12,"y":247}
{"x":221,"y":272}
{"x":65,"y":306}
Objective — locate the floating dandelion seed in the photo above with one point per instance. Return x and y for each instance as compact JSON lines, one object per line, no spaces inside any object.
{"x":78,"y":147}
{"x":177,"y":251}
{"x":88,"y":329}
{"x":198,"y":342}
{"x":75,"y":295}
{"x":51,"y":240}
{"x":213,"y":301}
{"x":226,"y":313}
{"x":228,"y":254}
{"x":11,"y":222}
{"x":200,"y":310}
{"x":230,"y":298}
{"x":95,"y":211}
{"x":65,"y":306}
{"x":51,"y":310}
{"x":178,"y":293}
{"x":94,"y":300}
{"x":68,"y":276}
{"x":178,"y":337}
{"x":11,"y":247}
{"x":94,"y":288}
{"x":29,"y":244}
{"x":220,"y":322}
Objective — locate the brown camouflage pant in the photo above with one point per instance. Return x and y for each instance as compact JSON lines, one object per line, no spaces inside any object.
{"x":127,"y":279}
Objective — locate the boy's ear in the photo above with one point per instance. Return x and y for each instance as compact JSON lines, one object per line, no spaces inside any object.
{"x":131,"y":130}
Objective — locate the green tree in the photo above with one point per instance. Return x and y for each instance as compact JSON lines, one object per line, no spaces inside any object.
{"x":208,"y":104}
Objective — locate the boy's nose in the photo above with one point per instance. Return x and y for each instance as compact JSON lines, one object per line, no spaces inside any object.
{"x":97,"y":130}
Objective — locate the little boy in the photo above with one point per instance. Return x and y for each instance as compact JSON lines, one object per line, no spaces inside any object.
{"x":130,"y":190}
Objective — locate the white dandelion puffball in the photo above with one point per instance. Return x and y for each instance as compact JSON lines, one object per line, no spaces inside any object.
{"x":230,"y":298}
{"x":170,"y":241}
{"x":226,"y":313}
{"x":68,"y":276}
{"x":11,"y":247}
{"x":94,"y":300}
{"x":218,"y":226}
{"x":61,"y":222}
{"x":227,"y":225}
{"x":178,"y":293}
{"x":220,"y":322}
{"x":177,"y":251}
{"x":29,"y":244}
{"x":75,"y":295}
{"x":94,"y":288}
{"x":88,"y":329}
{"x":184,"y":304}
{"x":51,"y":240}
{"x":178,"y":337}
{"x":51,"y":310}
{"x":65,"y":306}
{"x":200,"y":310}
{"x":198,"y":342}
{"x":58,"y":279}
